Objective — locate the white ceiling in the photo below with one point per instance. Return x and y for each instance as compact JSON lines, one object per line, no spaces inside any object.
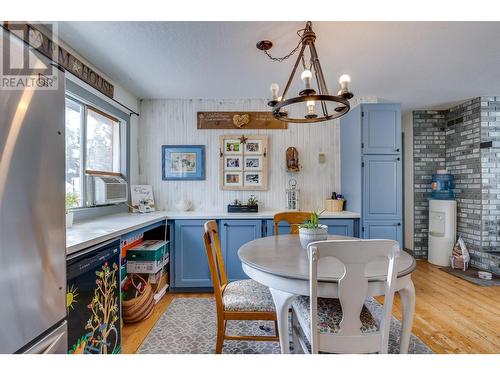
{"x":420,"y":64}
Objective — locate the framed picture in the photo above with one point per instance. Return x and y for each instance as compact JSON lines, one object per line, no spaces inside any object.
{"x":253,"y":179}
{"x":233,"y":147}
{"x":183,"y":162}
{"x":253,"y":163}
{"x":253,"y":147}
{"x":243,"y":162}
{"x":233,"y":179}
{"x":233,"y":163}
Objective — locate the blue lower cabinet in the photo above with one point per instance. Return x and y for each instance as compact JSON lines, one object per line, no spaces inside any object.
{"x":190,"y":259}
{"x":341,"y":227}
{"x":380,"y":229}
{"x":283,"y":228}
{"x":234,"y":234}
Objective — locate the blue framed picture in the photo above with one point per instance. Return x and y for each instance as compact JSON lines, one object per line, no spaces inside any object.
{"x":181,"y":162}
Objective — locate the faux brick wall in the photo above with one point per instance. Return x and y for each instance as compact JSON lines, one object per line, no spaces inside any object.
{"x":429,"y":138}
{"x":463,"y":161}
{"x":452,"y":139}
{"x":490,"y":179}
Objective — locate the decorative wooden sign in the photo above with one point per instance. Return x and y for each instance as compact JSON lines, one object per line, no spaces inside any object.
{"x":239,"y":120}
{"x":45,"y":45}
{"x":243,"y":162}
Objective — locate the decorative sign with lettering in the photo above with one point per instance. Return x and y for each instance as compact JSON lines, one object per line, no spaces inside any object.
{"x":45,"y":45}
{"x":239,"y":120}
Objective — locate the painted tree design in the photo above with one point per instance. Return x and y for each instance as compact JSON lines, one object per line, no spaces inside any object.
{"x":104,"y":307}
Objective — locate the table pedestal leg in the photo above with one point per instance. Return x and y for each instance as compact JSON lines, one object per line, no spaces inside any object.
{"x":407,"y":295}
{"x":282,"y":302}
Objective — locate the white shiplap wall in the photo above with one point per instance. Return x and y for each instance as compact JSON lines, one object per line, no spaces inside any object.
{"x":173,"y":122}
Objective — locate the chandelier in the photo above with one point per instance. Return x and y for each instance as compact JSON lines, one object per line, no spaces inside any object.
{"x":319,"y":104}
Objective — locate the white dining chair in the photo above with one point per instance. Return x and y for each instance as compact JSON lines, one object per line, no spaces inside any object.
{"x":345,"y":325}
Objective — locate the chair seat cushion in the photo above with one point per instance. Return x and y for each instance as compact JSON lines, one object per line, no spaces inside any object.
{"x":247,"y":295}
{"x":330,"y":315}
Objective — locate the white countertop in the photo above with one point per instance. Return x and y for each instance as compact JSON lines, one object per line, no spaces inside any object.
{"x":88,"y":233}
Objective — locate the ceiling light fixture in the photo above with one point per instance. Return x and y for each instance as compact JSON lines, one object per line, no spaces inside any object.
{"x":331,"y":106}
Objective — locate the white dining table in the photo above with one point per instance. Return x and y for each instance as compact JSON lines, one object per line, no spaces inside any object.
{"x":280,"y":263}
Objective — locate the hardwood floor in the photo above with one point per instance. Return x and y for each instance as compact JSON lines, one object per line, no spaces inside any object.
{"x":451,"y":314}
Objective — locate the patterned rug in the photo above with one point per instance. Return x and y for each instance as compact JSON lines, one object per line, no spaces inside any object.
{"x":189,"y":327}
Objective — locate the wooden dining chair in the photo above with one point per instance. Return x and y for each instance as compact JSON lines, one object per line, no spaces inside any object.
{"x":237,"y":300}
{"x":345,"y":325}
{"x":293,"y":218}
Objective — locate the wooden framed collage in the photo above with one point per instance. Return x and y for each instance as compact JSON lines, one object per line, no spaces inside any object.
{"x":243,"y":162}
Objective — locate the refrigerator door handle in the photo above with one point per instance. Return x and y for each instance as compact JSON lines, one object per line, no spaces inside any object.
{"x":53,"y":347}
{"x":56,"y":342}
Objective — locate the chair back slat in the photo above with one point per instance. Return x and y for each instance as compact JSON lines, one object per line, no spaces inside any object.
{"x":215,"y":259}
{"x":355,"y":255}
{"x":292,"y":218}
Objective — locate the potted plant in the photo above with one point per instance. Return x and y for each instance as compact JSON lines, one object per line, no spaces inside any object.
{"x":71,"y":201}
{"x":312,"y":230}
{"x":252,"y":201}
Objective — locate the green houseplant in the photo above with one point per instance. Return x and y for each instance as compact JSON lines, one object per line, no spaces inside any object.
{"x":311,"y":230}
{"x":71,"y":201}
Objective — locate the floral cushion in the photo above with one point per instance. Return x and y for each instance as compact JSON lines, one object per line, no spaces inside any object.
{"x":247,"y":295}
{"x":330,"y":315}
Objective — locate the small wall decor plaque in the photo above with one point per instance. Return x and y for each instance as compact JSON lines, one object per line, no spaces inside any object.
{"x":183,"y":162}
{"x":239,"y":120}
{"x":292,"y":160}
{"x":243,"y":162}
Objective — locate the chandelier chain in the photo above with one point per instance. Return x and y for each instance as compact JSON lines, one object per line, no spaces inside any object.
{"x":292,"y":52}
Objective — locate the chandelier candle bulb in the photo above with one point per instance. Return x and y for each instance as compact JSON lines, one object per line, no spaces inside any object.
{"x":306,"y":78}
{"x":274,"y":91}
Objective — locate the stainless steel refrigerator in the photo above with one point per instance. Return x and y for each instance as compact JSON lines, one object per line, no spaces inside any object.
{"x":32,"y":216}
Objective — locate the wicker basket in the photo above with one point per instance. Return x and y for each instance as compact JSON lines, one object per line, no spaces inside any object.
{"x":139,"y":308}
{"x":335,"y":205}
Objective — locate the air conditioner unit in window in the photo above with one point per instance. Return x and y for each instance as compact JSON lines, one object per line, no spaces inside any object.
{"x":109,"y":189}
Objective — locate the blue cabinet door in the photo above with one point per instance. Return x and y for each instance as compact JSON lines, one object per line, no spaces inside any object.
{"x":381,"y":128}
{"x":234,"y":234}
{"x":382,"y":187}
{"x":341,"y":227}
{"x":190,"y":259}
{"x":382,"y":229}
{"x":283,"y":228}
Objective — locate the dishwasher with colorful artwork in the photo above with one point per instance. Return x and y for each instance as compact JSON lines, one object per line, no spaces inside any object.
{"x":93,"y":300}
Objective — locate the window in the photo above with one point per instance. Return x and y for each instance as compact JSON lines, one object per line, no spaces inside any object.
{"x":92,"y":144}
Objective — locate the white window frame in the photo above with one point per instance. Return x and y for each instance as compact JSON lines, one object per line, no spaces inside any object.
{"x":122,"y":158}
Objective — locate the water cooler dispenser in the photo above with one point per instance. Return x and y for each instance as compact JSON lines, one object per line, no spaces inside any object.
{"x":442,"y":219}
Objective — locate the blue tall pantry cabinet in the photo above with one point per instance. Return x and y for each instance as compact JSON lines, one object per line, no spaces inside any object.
{"x":371,"y":168}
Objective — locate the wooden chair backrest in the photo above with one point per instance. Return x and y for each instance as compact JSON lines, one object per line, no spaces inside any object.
{"x":353,"y":286}
{"x":292,"y":218}
{"x":215,"y":260}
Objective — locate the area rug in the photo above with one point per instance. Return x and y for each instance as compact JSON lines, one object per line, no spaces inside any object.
{"x":189,"y":327}
{"x":471,"y":276}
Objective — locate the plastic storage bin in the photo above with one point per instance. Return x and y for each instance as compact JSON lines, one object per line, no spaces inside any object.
{"x":442,"y":185}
